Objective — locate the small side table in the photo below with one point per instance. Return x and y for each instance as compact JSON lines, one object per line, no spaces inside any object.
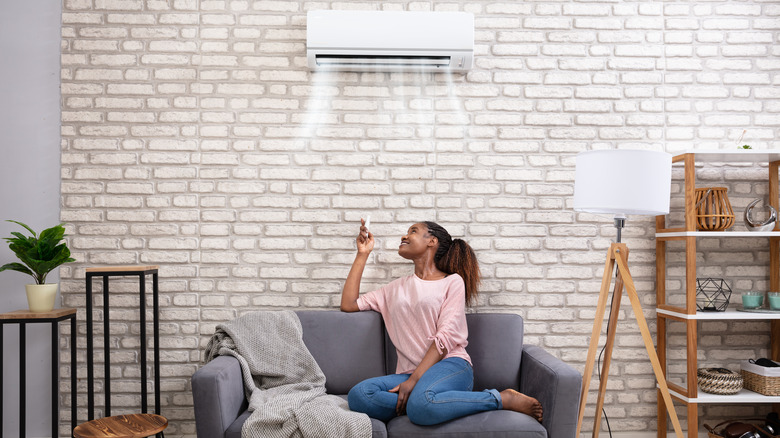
{"x":23,"y":317}
{"x":122,"y":426}
{"x":122,"y":271}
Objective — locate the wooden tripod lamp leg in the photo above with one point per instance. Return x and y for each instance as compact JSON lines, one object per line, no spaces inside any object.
{"x":617,"y":294}
{"x":598,"y":321}
{"x":625,"y":274}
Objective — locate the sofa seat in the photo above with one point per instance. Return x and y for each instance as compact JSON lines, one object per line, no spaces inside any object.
{"x":503,"y":424}
{"x":497,"y":424}
{"x":378,"y":428}
{"x":351,"y":347}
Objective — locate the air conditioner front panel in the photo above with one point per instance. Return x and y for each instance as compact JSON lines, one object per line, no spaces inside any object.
{"x":390,"y":30}
{"x":390,"y":40}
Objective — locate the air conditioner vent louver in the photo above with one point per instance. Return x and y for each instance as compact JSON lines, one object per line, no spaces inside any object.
{"x":379,"y":60}
{"x":390,"y":41}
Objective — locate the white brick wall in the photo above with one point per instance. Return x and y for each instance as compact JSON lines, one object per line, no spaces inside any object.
{"x":195,"y":138}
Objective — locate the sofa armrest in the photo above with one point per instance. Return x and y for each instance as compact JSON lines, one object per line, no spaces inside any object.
{"x":556,"y":385}
{"x":218,"y":395}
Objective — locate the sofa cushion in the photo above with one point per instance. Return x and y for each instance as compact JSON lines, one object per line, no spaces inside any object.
{"x":234,"y":430}
{"x":501,"y":424}
{"x":378,"y":427}
{"x":391,"y":356}
{"x":342,"y":341}
{"x":495,"y":347}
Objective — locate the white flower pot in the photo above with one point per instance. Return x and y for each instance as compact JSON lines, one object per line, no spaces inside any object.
{"x":40,"y":297}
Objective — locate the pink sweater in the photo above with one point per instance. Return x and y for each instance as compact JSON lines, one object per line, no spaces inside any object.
{"x":417,"y":312}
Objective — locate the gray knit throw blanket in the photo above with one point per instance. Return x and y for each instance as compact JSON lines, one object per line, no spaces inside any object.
{"x":284,"y":385}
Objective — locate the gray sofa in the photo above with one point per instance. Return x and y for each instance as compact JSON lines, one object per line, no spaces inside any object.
{"x":351,"y":347}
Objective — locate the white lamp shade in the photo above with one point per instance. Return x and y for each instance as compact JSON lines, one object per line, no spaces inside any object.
{"x":623,"y":182}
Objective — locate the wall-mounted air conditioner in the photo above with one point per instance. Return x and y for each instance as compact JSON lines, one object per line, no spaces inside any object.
{"x":390,"y":41}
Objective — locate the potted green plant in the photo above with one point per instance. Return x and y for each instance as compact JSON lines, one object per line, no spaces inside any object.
{"x":39,"y":254}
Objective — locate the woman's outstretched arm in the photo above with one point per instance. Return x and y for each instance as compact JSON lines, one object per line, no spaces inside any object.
{"x":349,"y":295}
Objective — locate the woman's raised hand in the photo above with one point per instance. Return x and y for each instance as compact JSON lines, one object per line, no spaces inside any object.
{"x":351,"y":291}
{"x":365,"y":240}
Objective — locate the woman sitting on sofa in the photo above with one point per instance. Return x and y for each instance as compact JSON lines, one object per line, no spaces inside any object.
{"x":425,"y":317}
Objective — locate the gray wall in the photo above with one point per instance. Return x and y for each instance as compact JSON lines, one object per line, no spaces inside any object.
{"x":29,"y":184}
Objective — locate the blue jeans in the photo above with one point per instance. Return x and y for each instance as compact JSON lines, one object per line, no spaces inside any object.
{"x":443,"y":393}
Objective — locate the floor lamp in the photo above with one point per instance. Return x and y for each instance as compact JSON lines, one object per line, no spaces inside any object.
{"x":621,"y":183}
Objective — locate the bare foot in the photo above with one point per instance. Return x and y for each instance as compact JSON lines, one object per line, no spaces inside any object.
{"x":519,"y":402}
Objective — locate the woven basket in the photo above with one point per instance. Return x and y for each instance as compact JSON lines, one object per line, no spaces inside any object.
{"x":713,"y":209}
{"x":766,"y":385}
{"x":719,"y":381}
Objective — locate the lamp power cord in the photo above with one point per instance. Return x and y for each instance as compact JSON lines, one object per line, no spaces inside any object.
{"x":611,"y":304}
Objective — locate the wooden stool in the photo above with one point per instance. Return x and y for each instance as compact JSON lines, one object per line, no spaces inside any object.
{"x":122,"y":426}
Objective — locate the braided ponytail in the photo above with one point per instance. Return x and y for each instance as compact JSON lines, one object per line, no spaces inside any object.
{"x":455,"y":256}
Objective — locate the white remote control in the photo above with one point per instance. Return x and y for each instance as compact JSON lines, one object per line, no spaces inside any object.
{"x":368,"y":223}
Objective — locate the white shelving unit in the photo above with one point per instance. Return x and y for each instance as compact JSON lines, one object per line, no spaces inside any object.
{"x":720,"y":234}
{"x":729,"y":314}
{"x":688,"y":315}
{"x":744,"y":396}
{"x":752,"y":156}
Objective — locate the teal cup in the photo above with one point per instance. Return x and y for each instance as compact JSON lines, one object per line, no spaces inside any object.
{"x":774,"y":300}
{"x":753,"y":299}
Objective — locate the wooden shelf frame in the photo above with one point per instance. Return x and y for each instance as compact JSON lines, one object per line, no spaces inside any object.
{"x":687,"y":315}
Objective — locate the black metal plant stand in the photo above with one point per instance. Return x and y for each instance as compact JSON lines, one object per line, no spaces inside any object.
{"x":23,"y":317}
{"x":123,"y":271}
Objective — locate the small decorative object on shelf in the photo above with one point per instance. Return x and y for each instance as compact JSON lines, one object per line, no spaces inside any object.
{"x":767,"y":225}
{"x":719,"y":381}
{"x":752,"y":299}
{"x":713,"y":209}
{"x":774,"y":300}
{"x":739,"y":140}
{"x":712,"y":294}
